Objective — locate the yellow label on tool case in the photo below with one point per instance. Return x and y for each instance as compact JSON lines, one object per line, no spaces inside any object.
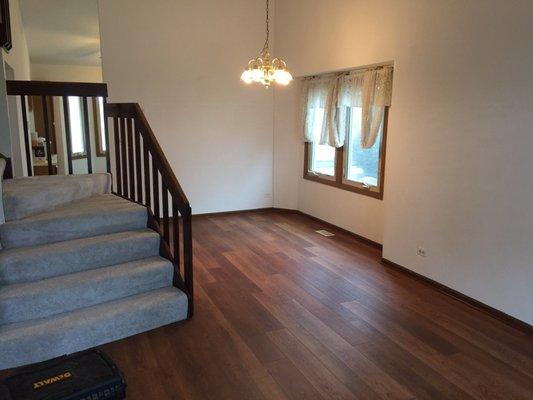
{"x":53,"y":379}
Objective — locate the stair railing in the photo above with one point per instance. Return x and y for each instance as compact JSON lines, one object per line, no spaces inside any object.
{"x":58,"y":93}
{"x":140,"y":170}
{"x":143,"y":175}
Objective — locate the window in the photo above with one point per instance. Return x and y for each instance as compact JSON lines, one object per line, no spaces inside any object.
{"x":349,"y":153}
{"x":99,"y":126}
{"x":76,"y":127}
{"x":322,"y":160}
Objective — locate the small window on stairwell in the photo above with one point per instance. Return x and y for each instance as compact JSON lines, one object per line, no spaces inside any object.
{"x":99,"y":126}
{"x":77,"y":136}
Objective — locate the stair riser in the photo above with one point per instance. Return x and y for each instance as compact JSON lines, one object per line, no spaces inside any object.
{"x":89,"y":290}
{"x":71,"y":258}
{"x":89,"y":328}
{"x":52,"y":231}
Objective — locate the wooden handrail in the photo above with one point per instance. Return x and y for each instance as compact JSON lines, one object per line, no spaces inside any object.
{"x":144,"y":175}
{"x":47,"y":90}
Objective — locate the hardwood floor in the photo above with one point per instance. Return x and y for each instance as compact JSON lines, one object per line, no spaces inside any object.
{"x":284,"y":313}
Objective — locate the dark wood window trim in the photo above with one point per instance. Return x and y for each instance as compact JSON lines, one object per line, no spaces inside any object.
{"x":100,"y":152}
{"x":338,"y":180}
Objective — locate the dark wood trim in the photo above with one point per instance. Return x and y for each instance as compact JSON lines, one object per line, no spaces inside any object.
{"x":87,"y":135}
{"x":45,"y":88}
{"x":27,"y":142}
{"x":118,"y":172}
{"x":219,"y":213}
{"x":68,"y":138}
{"x":338,"y":180}
{"x":47,"y":136}
{"x":493,"y":312}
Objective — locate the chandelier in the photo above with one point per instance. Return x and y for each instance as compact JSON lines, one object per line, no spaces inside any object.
{"x":264,"y":70}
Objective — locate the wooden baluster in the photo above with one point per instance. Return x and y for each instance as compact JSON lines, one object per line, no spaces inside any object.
{"x":166,"y":221}
{"x":155,"y":182}
{"x":68,"y":136}
{"x":176,"y":232}
{"x":47,"y":135}
{"x":146,"y":168}
{"x":124,"y":157}
{"x":130,"y":159}
{"x":118,"y":173}
{"x":138,"y":164}
{"x":187,"y":257}
{"x":87,"y":135}
{"x":27,"y":142}
{"x":106,"y":136}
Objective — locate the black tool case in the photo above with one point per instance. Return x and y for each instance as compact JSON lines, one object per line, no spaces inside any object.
{"x":88,"y":375}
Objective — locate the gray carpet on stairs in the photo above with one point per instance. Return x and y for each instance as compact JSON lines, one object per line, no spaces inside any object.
{"x":23,"y":197}
{"x":25,"y":301}
{"x":42,"y":339}
{"x":27,"y":264}
{"x":92,"y":216}
{"x":81,"y":274}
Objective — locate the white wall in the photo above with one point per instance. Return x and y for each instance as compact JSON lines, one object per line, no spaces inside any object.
{"x":66,"y":73}
{"x":182,"y":62}
{"x":459,"y":170}
{"x":18,"y":61}
{"x":18,"y":57}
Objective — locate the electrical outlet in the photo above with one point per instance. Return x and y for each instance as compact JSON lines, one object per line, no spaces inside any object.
{"x":421,"y":252}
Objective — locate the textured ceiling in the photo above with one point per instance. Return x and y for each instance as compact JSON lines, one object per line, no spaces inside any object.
{"x":62,"y":31}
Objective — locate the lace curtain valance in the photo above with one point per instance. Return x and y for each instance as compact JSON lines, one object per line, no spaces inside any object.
{"x":333,"y":95}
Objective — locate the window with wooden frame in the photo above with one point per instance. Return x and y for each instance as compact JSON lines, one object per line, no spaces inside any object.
{"x":345,"y":130}
{"x":77,"y":135}
{"x":99,"y":126}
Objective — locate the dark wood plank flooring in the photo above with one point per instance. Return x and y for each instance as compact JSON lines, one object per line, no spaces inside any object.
{"x":284,"y":313}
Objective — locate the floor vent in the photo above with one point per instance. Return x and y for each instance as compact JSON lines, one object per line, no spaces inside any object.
{"x":325,"y":233}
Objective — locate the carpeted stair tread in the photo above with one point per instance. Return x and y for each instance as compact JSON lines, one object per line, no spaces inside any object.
{"x":38,"y":340}
{"x":31,"y":195}
{"x":27,"y":264}
{"x":39,"y":299}
{"x":92,"y":216}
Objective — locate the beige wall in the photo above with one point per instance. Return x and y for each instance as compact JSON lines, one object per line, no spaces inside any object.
{"x":459,"y":175}
{"x":66,"y":73}
{"x":182,"y":62}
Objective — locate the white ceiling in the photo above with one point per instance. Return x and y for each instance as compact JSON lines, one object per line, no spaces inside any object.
{"x":62,"y":31}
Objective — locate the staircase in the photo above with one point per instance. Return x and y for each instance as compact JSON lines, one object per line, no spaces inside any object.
{"x":78,"y":269}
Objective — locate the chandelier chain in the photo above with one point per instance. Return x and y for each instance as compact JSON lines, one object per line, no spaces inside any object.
{"x":267,"y":21}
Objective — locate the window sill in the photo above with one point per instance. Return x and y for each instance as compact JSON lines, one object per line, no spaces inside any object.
{"x":344,"y":186}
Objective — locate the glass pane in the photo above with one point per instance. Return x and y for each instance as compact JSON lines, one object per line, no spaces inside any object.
{"x":363,"y":164}
{"x":76,"y":127}
{"x":103,"y":144}
{"x":322,"y":156}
